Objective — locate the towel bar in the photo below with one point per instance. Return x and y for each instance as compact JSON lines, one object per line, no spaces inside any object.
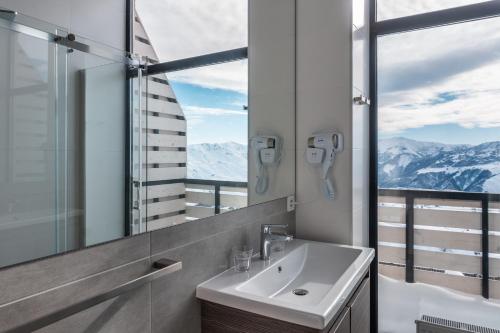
{"x":160,"y":268}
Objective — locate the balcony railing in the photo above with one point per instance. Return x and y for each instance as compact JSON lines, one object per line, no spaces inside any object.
{"x":211,"y":197}
{"x":450,"y":239}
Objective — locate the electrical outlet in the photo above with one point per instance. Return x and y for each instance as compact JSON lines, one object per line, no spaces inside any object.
{"x":290,"y":203}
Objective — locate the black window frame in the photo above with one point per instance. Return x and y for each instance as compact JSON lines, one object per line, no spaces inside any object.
{"x":456,"y":15}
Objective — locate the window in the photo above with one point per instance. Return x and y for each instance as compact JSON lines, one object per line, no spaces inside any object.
{"x":437,"y":201}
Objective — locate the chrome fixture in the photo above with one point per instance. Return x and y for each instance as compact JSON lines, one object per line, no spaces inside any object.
{"x":267,"y":237}
{"x":300,"y":292}
{"x":8,"y":14}
{"x":361,"y":100}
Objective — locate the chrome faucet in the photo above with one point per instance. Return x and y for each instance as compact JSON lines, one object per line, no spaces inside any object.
{"x":267,"y":237}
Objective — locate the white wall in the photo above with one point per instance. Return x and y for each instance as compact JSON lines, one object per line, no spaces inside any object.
{"x":271,"y":90}
{"x":360,"y":116}
{"x":100,"y":20}
{"x":324,"y":101}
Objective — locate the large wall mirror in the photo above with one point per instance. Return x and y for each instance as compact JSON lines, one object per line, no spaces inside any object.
{"x":95,"y":146}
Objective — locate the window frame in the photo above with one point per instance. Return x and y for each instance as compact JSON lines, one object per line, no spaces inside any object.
{"x":456,"y":15}
{"x":198,"y":61}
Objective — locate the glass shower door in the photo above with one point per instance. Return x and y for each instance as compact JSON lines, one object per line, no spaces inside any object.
{"x":32,"y":70}
{"x":70,"y":142}
{"x":138,"y":153}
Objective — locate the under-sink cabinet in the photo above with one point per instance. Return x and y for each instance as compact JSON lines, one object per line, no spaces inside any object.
{"x":354,"y":317}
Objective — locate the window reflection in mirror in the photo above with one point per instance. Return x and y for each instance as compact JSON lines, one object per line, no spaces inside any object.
{"x":197,"y":130}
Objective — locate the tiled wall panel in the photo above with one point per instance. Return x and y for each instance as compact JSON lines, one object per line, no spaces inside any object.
{"x":31,"y":290}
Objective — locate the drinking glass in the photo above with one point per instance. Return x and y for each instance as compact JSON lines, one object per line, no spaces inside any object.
{"x":242,"y":259}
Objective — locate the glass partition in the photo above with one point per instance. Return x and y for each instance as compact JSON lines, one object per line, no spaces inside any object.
{"x":64,"y":131}
{"x":31,"y":188}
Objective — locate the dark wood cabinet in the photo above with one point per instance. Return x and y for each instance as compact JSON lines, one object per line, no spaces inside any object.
{"x":360,"y":309}
{"x":353,"y":318}
{"x":343,"y":323}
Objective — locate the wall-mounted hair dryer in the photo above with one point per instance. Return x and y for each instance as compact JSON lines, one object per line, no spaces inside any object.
{"x":322,"y":149}
{"x":267,"y":152}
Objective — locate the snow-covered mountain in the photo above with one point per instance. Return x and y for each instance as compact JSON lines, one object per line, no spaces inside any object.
{"x":217,"y":161}
{"x":405,"y":163}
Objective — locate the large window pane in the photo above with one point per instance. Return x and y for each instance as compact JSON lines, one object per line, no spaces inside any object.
{"x":389,"y":9}
{"x":439,"y":152}
{"x":188,"y":28}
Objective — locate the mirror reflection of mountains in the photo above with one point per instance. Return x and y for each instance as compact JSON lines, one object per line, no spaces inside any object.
{"x":218,"y":161}
{"x":406,"y":163}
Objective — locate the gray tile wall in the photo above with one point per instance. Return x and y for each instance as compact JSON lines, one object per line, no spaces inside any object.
{"x":168,"y":304}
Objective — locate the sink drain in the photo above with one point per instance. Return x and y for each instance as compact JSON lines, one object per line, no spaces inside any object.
{"x":300,"y":292}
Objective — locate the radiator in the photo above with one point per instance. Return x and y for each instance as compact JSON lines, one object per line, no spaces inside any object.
{"x":429,"y":324}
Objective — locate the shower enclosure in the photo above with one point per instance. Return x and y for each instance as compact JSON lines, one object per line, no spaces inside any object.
{"x":70,"y":141}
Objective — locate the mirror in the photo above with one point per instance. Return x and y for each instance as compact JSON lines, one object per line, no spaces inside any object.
{"x":95,"y":146}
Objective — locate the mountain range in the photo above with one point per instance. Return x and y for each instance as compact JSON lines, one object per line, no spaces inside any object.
{"x":217,"y":161}
{"x":402,"y":163}
{"x":406,"y":163}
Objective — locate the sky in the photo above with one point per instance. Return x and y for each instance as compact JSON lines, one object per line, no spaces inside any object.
{"x":436,"y":84}
{"x":439,"y":84}
{"x":214,"y":111}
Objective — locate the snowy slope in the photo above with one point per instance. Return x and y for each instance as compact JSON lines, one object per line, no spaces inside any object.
{"x":405,"y":163}
{"x":401,"y":303}
{"x":217,"y":161}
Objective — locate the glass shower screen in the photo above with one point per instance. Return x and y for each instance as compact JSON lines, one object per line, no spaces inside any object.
{"x":65,"y":153}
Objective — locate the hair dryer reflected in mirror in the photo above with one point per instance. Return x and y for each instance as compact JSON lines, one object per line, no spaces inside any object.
{"x":267,"y":151}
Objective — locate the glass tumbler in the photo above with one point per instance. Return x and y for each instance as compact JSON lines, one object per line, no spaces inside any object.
{"x":242,"y":259}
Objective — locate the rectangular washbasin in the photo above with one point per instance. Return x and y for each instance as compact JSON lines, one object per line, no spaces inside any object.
{"x":306,"y":284}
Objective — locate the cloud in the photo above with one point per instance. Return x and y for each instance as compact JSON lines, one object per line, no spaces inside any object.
{"x":196,"y":112}
{"x":387,"y":9}
{"x":445,"y":75}
{"x":229,"y":76}
{"x":186,"y":28}
{"x":193,"y":122}
{"x":437,"y":67}
{"x":468,"y":112}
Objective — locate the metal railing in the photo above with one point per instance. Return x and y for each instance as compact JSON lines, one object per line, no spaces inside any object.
{"x":217,"y":185}
{"x":409,"y":203}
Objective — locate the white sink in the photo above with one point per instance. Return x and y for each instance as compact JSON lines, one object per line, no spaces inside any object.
{"x":327,"y":271}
